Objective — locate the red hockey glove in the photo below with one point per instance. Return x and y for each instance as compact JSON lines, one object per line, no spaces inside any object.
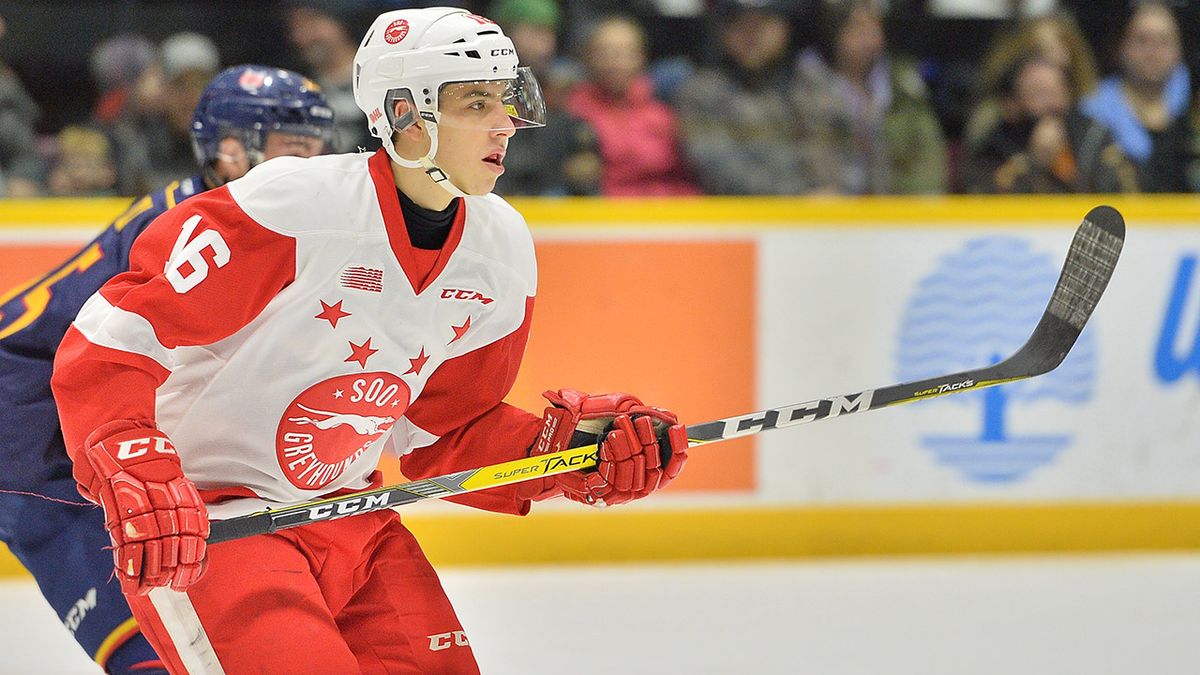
{"x":153,"y":513}
{"x":643,"y":448}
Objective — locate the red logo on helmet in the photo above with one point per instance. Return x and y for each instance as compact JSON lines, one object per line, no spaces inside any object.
{"x":252,"y":79}
{"x":396,"y":31}
{"x":333,"y":423}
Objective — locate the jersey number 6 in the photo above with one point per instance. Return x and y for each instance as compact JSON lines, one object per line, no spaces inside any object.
{"x":190,"y":254}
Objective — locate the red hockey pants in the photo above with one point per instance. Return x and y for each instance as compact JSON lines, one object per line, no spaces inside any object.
{"x":354,"y":595}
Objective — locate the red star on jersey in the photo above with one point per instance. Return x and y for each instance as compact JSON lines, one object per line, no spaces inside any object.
{"x":460,"y":331}
{"x":361,"y":353}
{"x":332,"y":313}
{"x":417,"y":364}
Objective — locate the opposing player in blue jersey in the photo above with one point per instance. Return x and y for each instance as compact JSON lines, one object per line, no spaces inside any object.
{"x":247,"y":114}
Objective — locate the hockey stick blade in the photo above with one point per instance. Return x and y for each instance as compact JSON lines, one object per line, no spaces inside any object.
{"x":1086,"y":273}
{"x":1090,"y":262}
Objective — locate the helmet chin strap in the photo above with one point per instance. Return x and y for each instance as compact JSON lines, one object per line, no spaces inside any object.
{"x":426,"y":162}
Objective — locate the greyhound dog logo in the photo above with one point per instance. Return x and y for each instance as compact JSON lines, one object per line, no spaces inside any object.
{"x":364,"y":425}
{"x":334,"y":423}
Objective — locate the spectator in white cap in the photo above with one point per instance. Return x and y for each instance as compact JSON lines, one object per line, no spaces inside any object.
{"x":154,"y":145}
{"x":189,"y":61}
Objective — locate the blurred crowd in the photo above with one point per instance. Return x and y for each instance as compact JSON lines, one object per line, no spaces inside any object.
{"x":769,"y":97}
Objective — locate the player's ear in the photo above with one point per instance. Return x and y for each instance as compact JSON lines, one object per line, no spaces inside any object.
{"x":402,"y":108}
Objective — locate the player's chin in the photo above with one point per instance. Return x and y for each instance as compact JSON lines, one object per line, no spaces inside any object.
{"x":480,"y":185}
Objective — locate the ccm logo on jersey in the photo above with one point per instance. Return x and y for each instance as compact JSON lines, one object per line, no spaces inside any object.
{"x":440,"y":641}
{"x":80,"y":610}
{"x":465,"y":294}
{"x":136,"y":447}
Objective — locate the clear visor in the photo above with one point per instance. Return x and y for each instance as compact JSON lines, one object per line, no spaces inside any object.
{"x":493,"y":105}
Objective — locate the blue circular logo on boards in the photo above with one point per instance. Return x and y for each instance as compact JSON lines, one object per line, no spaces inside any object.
{"x":976,"y":308}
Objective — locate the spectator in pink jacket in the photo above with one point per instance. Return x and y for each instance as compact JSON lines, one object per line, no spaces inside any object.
{"x":638,"y":134}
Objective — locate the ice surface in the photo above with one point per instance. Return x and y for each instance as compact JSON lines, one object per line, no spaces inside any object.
{"x":1101,"y":615}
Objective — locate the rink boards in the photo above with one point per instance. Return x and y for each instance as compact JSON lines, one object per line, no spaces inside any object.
{"x":721,"y":306}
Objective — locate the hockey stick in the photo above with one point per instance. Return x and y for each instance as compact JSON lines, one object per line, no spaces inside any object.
{"x":1088,"y":268}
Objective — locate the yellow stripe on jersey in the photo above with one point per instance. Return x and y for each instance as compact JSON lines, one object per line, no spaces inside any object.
{"x":38,"y":297}
{"x":169,"y":193}
{"x":39,"y":289}
{"x":127,"y":629}
{"x":136,"y":209}
{"x":15,"y":292}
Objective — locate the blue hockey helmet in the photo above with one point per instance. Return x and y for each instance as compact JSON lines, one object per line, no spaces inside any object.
{"x":250,"y":101}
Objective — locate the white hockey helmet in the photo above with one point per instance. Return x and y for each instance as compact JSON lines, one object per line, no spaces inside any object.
{"x":414,"y":53}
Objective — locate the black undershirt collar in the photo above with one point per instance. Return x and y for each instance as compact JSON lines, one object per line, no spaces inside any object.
{"x":427,"y":229}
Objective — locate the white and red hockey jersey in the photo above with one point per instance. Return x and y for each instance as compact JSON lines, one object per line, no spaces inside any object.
{"x":278,"y":330}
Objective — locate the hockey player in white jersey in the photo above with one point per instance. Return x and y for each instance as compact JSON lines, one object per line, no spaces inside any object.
{"x":274,"y":336}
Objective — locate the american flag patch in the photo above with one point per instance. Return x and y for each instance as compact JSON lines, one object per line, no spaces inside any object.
{"x":362,"y":279}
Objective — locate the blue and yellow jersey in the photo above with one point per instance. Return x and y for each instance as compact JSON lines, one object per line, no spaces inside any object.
{"x":33,"y":320}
